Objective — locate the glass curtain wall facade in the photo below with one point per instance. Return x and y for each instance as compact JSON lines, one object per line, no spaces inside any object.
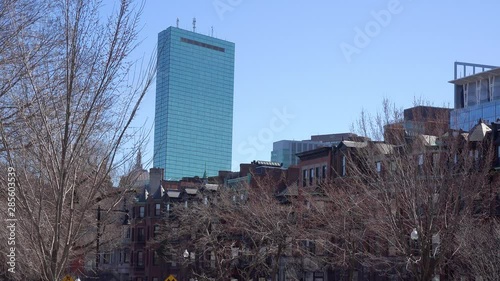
{"x":194,"y":104}
{"x":285,"y":151}
{"x":476,"y":97}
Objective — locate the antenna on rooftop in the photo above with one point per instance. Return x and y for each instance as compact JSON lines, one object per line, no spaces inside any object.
{"x":212,"y":31}
{"x":177,"y":22}
{"x":194,"y":24}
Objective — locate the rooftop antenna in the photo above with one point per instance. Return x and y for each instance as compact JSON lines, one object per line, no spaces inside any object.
{"x":194,"y":24}
{"x":212,"y":31}
{"x":177,"y":22}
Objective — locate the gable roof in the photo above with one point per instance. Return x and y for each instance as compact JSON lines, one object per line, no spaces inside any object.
{"x":478,"y":132}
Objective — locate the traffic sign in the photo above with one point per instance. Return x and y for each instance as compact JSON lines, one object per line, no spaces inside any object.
{"x":170,"y":278}
{"x":68,"y":278}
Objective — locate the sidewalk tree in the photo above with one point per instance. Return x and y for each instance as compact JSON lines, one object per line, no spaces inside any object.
{"x":67,"y":101}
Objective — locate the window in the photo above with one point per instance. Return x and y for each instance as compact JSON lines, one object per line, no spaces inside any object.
{"x":126,"y":256}
{"x":436,"y":241}
{"x":318,"y":276}
{"x":212,"y":259}
{"x":393,"y":166}
{"x":157,"y":209}
{"x":497,"y":205}
{"x":310,"y":246}
{"x":317,"y":174}
{"x":491,"y":87}
{"x":156,"y":258}
{"x":106,"y":258}
{"x":127,"y":234}
{"x":420,"y":162}
{"x":311,"y":176}
{"x":466,"y":95}
{"x":378,"y":166}
{"x":201,"y":44}
{"x":420,"y":159}
{"x":140,"y":258}
{"x":343,"y":166}
{"x":435,"y":161}
{"x":304,"y":177}
{"x":156,"y":230}
{"x":323,"y":172}
{"x":156,"y":279}
{"x":141,"y":211}
{"x":498,"y":155}
{"x":140,"y":234}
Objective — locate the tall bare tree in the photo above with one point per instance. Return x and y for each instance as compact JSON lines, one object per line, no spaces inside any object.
{"x":410,"y":196}
{"x":67,"y":101}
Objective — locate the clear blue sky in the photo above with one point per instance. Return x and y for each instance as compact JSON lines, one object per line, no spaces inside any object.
{"x":307,"y":58}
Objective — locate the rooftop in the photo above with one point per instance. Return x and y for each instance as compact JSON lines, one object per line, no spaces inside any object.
{"x":476,"y":77}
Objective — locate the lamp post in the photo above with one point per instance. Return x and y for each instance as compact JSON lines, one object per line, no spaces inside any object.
{"x":186,"y":256}
{"x":414,"y":244}
{"x":126,"y":221}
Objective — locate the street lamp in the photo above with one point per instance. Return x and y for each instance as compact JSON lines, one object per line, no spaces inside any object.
{"x":414,"y":238}
{"x":414,"y":235}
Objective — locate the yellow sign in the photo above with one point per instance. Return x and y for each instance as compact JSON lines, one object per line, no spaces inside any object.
{"x":171,"y":278}
{"x":68,"y":278}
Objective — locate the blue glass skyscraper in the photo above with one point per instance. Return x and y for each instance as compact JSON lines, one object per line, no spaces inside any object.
{"x":194,"y":104}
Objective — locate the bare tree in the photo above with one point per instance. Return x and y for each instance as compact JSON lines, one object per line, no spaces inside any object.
{"x":269,"y":230}
{"x":242,"y":232}
{"x":479,"y":253}
{"x":67,"y":105}
{"x":410,"y":196}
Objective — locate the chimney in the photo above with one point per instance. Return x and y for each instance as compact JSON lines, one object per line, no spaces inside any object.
{"x":155,"y":179}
